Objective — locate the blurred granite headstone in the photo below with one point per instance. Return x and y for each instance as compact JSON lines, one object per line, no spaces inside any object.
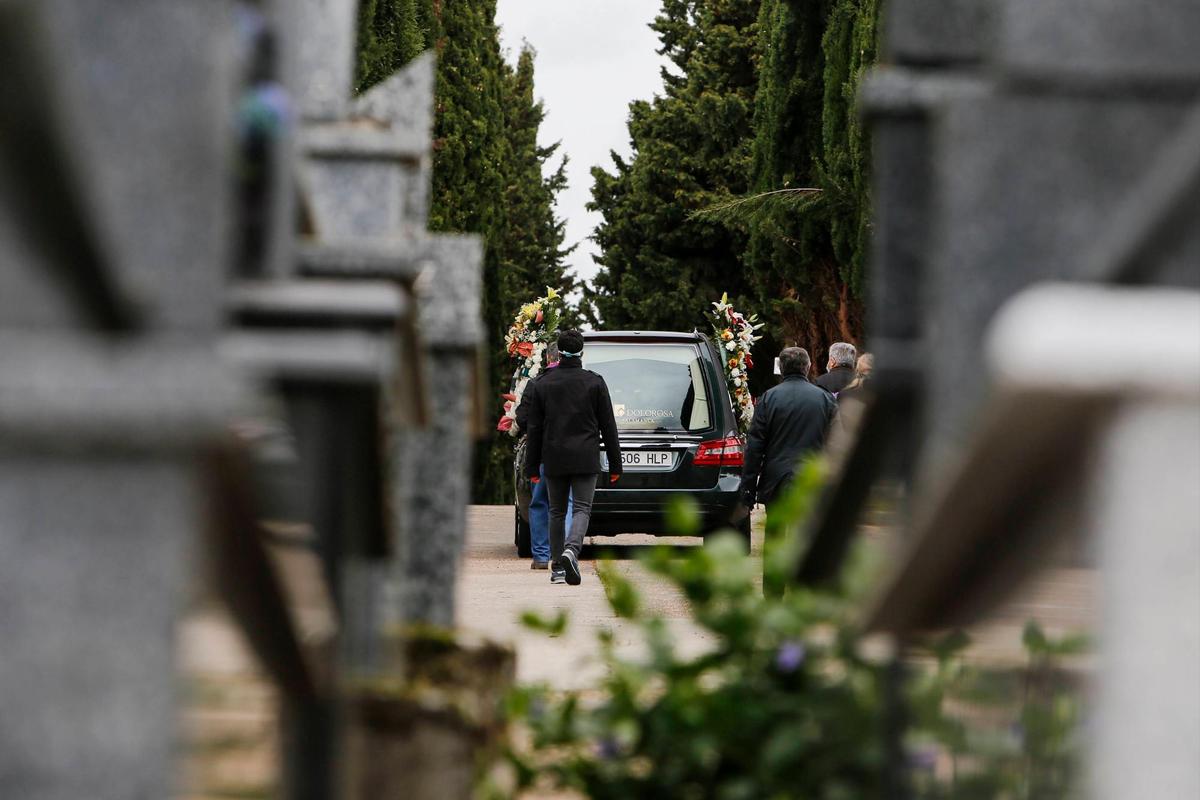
{"x":1147,"y":718}
{"x":936,"y":34}
{"x":1006,"y":135}
{"x":101,"y":429}
{"x":434,"y":463}
{"x":322,"y":39}
{"x":1024,"y":185}
{"x":431,"y":481}
{"x":146,"y":109}
{"x":1111,"y":45}
{"x":368,"y":174}
{"x":1010,"y":140}
{"x":385,"y":143}
{"x":404,"y":102}
{"x":364,"y":182}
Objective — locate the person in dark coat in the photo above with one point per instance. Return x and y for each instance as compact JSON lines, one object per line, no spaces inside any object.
{"x":570,"y":412}
{"x":539,"y":502}
{"x":862,"y":378}
{"x":791,"y":420}
{"x":840,"y":368}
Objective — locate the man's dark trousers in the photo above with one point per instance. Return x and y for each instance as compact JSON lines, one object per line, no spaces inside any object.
{"x":578,"y":490}
{"x":790,"y":421}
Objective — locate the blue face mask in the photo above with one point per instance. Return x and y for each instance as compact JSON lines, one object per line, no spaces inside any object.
{"x":565,"y":354}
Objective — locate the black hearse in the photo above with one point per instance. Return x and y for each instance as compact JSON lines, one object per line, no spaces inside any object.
{"x":678,"y":431}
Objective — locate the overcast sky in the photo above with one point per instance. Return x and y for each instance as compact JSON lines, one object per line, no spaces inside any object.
{"x":593,"y":58}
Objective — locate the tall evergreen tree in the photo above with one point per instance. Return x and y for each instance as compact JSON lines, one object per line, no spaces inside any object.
{"x":525,"y":250}
{"x":488,"y":169}
{"x":531,"y":248}
{"x":806,"y":260}
{"x":660,"y":268}
{"x":390,"y":34}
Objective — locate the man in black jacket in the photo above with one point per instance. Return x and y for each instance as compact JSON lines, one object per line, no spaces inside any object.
{"x":840,"y":369}
{"x":568,"y":414}
{"x":539,"y":502}
{"x":790,"y":421}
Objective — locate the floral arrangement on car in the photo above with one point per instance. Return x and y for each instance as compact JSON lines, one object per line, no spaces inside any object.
{"x":534,"y":326}
{"x":735,"y":335}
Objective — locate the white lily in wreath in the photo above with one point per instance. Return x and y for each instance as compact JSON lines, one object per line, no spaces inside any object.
{"x":735,"y":333}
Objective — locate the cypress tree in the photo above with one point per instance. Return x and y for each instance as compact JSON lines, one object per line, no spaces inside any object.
{"x":806,"y":260}
{"x":488,"y":180}
{"x":487,"y":169}
{"x":849,"y":44}
{"x":390,"y":34}
{"x":531,"y":248}
{"x":661,"y":267}
{"x":525,"y":252}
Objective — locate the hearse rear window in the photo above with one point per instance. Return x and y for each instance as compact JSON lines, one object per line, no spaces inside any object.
{"x":653,"y":386}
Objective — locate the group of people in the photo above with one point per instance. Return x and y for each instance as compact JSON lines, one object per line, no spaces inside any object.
{"x":846,"y":371}
{"x":793,"y":418}
{"x":568,"y":417}
{"x":791,"y":421}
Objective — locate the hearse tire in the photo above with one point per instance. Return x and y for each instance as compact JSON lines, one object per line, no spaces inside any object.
{"x":523,"y":536}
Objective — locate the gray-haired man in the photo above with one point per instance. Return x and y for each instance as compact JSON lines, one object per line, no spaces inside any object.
{"x":840,"y":368}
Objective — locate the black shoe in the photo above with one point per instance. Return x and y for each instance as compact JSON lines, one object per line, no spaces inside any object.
{"x":540,"y":565}
{"x":558,"y":576}
{"x":569,"y":564}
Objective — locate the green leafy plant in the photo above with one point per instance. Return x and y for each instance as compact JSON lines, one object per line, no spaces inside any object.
{"x":783,"y":706}
{"x":786,"y":703}
{"x":998,"y":733}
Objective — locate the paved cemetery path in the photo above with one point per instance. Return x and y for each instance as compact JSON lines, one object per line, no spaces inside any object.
{"x":495,"y":587}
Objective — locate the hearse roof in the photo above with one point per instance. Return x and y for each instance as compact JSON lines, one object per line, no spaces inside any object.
{"x":634,"y":336}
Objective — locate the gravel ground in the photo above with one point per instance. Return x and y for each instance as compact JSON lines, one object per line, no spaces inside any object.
{"x":495,"y":586}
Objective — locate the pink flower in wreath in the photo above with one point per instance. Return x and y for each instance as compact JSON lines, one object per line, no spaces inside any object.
{"x":505,"y":424}
{"x":540,"y":316}
{"x":525,"y":349}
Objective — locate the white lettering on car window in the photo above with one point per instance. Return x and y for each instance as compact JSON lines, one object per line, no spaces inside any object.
{"x":621,"y":412}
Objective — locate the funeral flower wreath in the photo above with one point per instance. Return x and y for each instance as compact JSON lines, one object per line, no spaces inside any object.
{"x":735,"y":335}
{"x":532,"y":329}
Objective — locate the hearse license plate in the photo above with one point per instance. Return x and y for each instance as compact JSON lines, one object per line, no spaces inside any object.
{"x":643,"y":459}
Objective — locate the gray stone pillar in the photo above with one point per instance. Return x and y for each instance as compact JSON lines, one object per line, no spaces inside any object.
{"x":435,"y":483}
{"x":99,"y":517}
{"x":1148,"y":522}
{"x":364,"y":181}
{"x":114,"y":218}
{"x":1007,"y":133}
{"x":368,"y":183}
{"x":320,"y":54}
